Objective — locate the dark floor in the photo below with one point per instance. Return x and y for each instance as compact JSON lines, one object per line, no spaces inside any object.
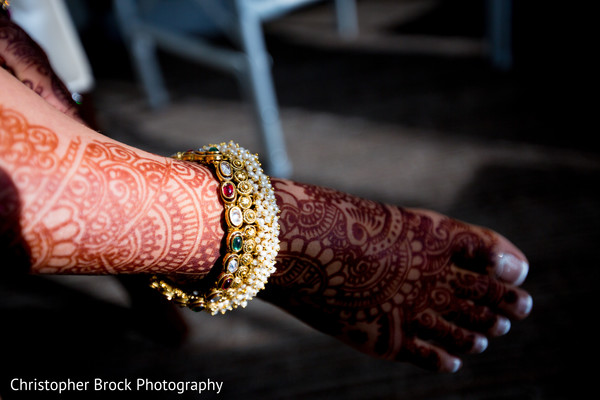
{"x":543,"y":197}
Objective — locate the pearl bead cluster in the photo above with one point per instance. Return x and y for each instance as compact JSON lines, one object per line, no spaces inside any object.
{"x":252,"y":243}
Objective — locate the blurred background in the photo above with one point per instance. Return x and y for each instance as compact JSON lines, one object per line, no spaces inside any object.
{"x":411,"y":108}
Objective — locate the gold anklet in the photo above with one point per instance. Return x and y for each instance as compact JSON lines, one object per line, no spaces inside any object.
{"x":252,"y":239}
{"x":4,"y":5}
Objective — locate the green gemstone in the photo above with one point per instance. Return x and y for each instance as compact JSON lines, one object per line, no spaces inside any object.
{"x":214,"y":297}
{"x":236,"y":243}
{"x":197,"y":308}
{"x":213,"y":149}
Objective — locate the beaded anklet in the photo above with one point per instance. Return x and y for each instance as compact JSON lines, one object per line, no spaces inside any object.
{"x":252,"y":240}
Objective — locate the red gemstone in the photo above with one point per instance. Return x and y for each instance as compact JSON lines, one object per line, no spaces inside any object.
{"x":228,"y":190}
{"x":227,"y":283}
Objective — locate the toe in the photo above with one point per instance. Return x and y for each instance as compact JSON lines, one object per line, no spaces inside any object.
{"x":429,"y":356}
{"x":478,"y":319}
{"x":515,"y":303}
{"x":471,"y":316}
{"x":487,"y":291}
{"x":435,"y":328}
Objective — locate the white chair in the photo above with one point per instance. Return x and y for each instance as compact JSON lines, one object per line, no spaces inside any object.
{"x":241,"y":21}
{"x":50,"y":25}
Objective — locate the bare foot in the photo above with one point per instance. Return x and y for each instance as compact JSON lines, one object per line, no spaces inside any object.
{"x":399,"y":284}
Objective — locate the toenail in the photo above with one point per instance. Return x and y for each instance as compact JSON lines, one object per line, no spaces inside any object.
{"x":455,"y":365}
{"x":502,"y":326}
{"x":524,"y":305}
{"x":481,"y":343}
{"x":512,"y":269}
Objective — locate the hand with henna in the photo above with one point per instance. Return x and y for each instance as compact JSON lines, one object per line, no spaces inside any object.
{"x":399,"y":284}
{"x":26,"y":60}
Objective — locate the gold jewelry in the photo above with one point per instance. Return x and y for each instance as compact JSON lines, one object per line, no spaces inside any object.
{"x":4,"y":4}
{"x":252,"y":239}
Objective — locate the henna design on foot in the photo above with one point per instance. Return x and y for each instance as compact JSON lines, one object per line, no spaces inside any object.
{"x":394,"y":283}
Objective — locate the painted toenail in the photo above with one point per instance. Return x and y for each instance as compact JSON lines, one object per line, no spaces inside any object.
{"x":512,"y":269}
{"x":455,"y":365}
{"x":524,"y":306}
{"x":502,"y":326}
{"x":481,"y":343}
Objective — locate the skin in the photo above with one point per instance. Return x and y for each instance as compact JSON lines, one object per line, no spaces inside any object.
{"x":24,"y":59}
{"x":92,"y":206}
{"x":399,"y":284}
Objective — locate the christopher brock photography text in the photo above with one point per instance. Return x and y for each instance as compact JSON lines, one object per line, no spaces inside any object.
{"x":123,"y":385}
